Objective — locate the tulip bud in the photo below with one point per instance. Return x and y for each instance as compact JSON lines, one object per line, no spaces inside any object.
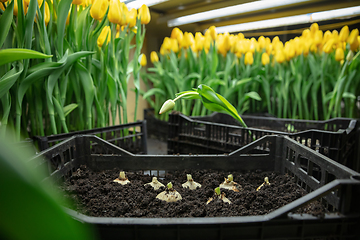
{"x":350,"y":56}
{"x":262,"y":42}
{"x":47,"y":14}
{"x":328,"y":47}
{"x":199,"y":41}
{"x":280,"y":56}
{"x":77,"y":2}
{"x":114,"y":14}
{"x":131,"y":17}
{"x":249,"y":59}
{"x":353,"y":39}
{"x":124,"y":12}
{"x":104,"y":35}
{"x":212,"y":32}
{"x":339,"y":54}
{"x":98,"y":9}
{"x":154,"y":57}
{"x":167,"y":106}
{"x":144,"y":14}
{"x":265,"y":59}
{"x":314,"y":28}
{"x":344,"y":33}
{"x":143,"y":60}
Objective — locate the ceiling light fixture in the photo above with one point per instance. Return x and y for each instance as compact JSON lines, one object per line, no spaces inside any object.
{"x":293,"y":20}
{"x":232,"y":10}
{"x":138,"y":3}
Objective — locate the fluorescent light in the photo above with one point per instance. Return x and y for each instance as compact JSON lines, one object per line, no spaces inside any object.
{"x":286,"y":21}
{"x":232,"y":10}
{"x":138,"y":3}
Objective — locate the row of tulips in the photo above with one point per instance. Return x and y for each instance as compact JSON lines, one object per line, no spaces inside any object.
{"x":313,"y":76}
{"x":65,"y":63}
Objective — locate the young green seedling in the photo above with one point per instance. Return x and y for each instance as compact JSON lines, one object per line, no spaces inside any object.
{"x":155,"y":183}
{"x":170,"y":194}
{"x":122,"y":179}
{"x":211,"y":100}
{"x":219,"y":195}
{"x":230,"y":184}
{"x":266,"y":182}
{"x":191,"y":184}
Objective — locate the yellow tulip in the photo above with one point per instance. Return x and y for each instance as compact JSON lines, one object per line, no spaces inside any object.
{"x":212,"y":32}
{"x":2,"y":7}
{"x":144,"y":14}
{"x":327,"y":36}
{"x":104,"y":35}
{"x":261,"y":42}
{"x":131,"y":17}
{"x":275,"y":40}
{"x":178,"y":34}
{"x":143,"y":60}
{"x":344,"y":33}
{"x":335,"y":35}
{"x":353,"y":39}
{"x":78,"y":2}
{"x":328,"y":47}
{"x":314,"y":28}
{"x":47,"y":14}
{"x":154,"y":57}
{"x":124,"y":12}
{"x":306,"y":33}
{"x":199,"y":41}
{"x":224,"y":43}
{"x":280,"y":56}
{"x":98,"y":9}
{"x":114,"y":14}
{"x":166,"y":44}
{"x":289,"y":51}
{"x":249,"y":59}
{"x":15,"y":12}
{"x":339,"y":54}
{"x":174,"y":45}
{"x":265,"y":59}
{"x":188,"y":40}
{"x":240,"y":36}
{"x":318,"y":37}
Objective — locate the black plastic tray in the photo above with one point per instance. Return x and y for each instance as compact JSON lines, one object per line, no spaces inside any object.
{"x":336,"y":138}
{"x":130,"y":136}
{"x":337,"y":186}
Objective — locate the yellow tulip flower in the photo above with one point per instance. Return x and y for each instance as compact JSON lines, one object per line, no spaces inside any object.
{"x":353,"y":39}
{"x":114,"y":14}
{"x":306,"y":33}
{"x":265,"y":59}
{"x":47,"y":14}
{"x":154,"y":57}
{"x":104,"y":35}
{"x":314,"y":28}
{"x":261,"y":42}
{"x":178,"y":34}
{"x":188,"y":40}
{"x":339,"y":54}
{"x":249,"y":59}
{"x":199,"y":41}
{"x":124,"y":12}
{"x":98,"y":9}
{"x":131,"y":17}
{"x":144,"y":14}
{"x":78,"y":2}
{"x":289,"y":51}
{"x":212,"y":32}
{"x":344,"y":33}
{"x":318,"y":37}
{"x":143,"y":60}
{"x":224,"y":44}
{"x":174,"y":45}
{"x":327,"y":36}
{"x":328,"y":47}
{"x":280,"y":56}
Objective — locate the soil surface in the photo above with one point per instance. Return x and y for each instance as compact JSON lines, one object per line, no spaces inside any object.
{"x":95,"y":194}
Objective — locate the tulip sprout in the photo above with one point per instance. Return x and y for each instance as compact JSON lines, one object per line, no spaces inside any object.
{"x":122,"y":179}
{"x":266,"y":182}
{"x":219,"y":195}
{"x":191,"y":184}
{"x":230,"y":184}
{"x":155,"y":183}
{"x":211,"y":100}
{"x":170,"y":194}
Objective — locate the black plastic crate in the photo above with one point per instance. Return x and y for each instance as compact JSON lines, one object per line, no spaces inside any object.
{"x":337,"y":138}
{"x":337,"y":186}
{"x":130,"y":136}
{"x":156,"y":128}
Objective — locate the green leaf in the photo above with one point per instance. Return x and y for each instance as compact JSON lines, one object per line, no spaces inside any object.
{"x":69,"y":108}
{"x":154,"y":91}
{"x":253,"y":95}
{"x":59,"y":109}
{"x":63,"y":10}
{"x":15,"y":54}
{"x":25,"y":196}
{"x":5,"y":22}
{"x":9,"y":79}
{"x":349,"y":95}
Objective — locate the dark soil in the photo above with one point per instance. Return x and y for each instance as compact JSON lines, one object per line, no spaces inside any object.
{"x":95,"y":194}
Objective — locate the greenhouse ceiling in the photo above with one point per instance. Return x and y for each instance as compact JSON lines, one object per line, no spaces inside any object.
{"x":198,"y":15}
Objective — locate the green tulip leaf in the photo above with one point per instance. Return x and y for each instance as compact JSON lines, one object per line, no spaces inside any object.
{"x":153,"y":91}
{"x":14,"y":54}
{"x":9,"y":79}
{"x":69,"y":108}
{"x":5,"y":22}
